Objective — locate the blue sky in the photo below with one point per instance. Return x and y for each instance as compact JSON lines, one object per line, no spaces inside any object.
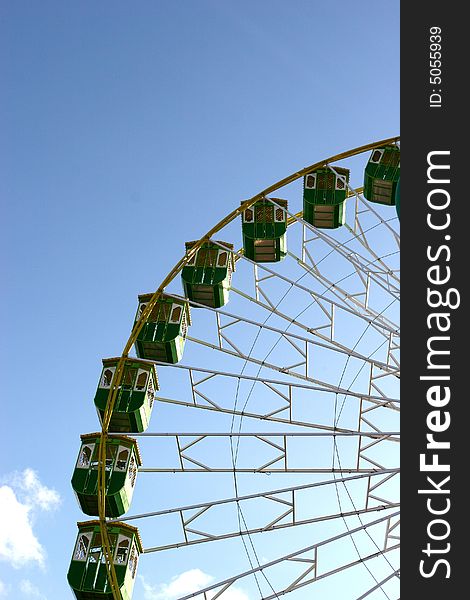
{"x":127,"y":129}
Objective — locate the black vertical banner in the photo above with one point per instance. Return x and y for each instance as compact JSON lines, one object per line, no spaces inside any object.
{"x":435,"y":232}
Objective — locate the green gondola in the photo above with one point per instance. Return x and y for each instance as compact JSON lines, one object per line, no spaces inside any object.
{"x":163,"y":335}
{"x":382,"y":174}
{"x":87,"y":575}
{"x":325,"y":197}
{"x":397,"y":198}
{"x":135,"y":397}
{"x":264,"y":227}
{"x":122,"y":461}
{"x":208,"y":274}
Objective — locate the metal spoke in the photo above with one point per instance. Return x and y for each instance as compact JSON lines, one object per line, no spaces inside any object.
{"x":267,"y":493}
{"x":291,"y":337}
{"x":313,"y":294}
{"x":380,"y":584}
{"x":279,"y":458}
{"x":314,"y":549}
{"x":323,"y":385}
{"x":380,"y":276}
{"x":285,"y":519}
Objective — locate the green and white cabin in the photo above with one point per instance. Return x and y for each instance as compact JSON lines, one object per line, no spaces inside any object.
{"x":163,"y":335}
{"x":325,"y":197}
{"x":382,"y":174}
{"x":397,"y":198}
{"x":135,"y":397}
{"x":87,"y":575}
{"x":207,"y":275}
{"x":122,"y":462}
{"x":264,"y":227}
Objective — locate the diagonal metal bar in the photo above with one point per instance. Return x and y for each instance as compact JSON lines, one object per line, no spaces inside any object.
{"x":378,"y":321}
{"x":292,"y":555}
{"x":266,"y":494}
{"x":291,"y":337}
{"x":332,"y":572}
{"x":316,"y":330}
{"x":380,"y":584}
{"x":312,"y":293}
{"x":359,"y":261}
{"x":379,"y":400}
{"x":325,"y":385}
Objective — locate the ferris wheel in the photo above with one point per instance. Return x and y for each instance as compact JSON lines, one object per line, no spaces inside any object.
{"x":257,"y":418}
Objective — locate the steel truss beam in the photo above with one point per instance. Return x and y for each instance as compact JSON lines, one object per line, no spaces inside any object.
{"x":277,"y":444}
{"x":274,"y":525}
{"x":282,"y":398}
{"x":376,"y":492}
{"x":381,"y":277}
{"x":309,"y":555}
{"x":290,"y":489}
{"x":299,"y":342}
{"x":286,"y":519}
{"x":210,"y":373}
{"x":322,"y":300}
{"x":390,"y":337}
{"x":323,"y":385}
{"x":358,"y":301}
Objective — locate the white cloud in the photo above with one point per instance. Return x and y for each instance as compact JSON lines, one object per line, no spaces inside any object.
{"x":3,"y":589}
{"x":18,"y":544}
{"x":187,"y":583}
{"x":29,"y":589}
{"x":232,"y":594}
{"x":19,"y":502}
{"x":38,"y":494}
